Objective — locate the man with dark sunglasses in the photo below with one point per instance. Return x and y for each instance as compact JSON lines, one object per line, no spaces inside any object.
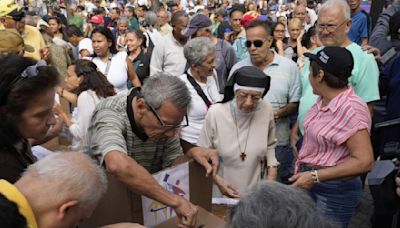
{"x":138,"y":135}
{"x":12,"y":16}
{"x":285,"y":91}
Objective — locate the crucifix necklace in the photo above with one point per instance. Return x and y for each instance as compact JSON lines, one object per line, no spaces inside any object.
{"x":242,"y":152}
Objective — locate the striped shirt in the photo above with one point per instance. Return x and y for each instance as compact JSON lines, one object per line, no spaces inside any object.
{"x":326,"y":129}
{"x":110,"y":130}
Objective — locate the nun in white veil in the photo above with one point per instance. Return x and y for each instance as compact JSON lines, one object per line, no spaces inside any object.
{"x":242,"y":129}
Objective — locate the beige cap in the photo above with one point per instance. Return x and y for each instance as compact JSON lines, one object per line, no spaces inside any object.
{"x":12,"y":43}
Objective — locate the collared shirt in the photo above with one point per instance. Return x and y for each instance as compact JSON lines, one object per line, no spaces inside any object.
{"x":285,"y":87}
{"x":165,"y":29}
{"x":14,"y":195}
{"x":168,"y":57}
{"x":197,"y":110}
{"x":112,"y":130}
{"x":364,"y":78}
{"x":326,"y":129}
{"x":33,"y":37}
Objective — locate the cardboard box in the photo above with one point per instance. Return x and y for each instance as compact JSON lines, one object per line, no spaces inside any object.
{"x":122,"y":205}
{"x":205,"y":219}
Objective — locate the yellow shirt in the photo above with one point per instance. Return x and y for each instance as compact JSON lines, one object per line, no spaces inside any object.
{"x":13,"y":194}
{"x":33,"y":37}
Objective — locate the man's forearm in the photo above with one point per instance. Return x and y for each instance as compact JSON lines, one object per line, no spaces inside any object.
{"x":137,"y":178}
{"x":186,"y":146}
{"x":288,"y":110}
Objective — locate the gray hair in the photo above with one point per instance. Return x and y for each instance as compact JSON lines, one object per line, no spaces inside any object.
{"x":150,"y":20}
{"x":328,"y":5}
{"x":123,"y":19}
{"x":196,"y":50}
{"x":273,"y":204}
{"x":163,"y":87}
{"x":69,"y":175}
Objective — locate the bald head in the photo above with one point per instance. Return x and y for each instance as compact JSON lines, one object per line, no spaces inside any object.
{"x":63,"y":188}
{"x":66,"y":175}
{"x":177,"y":17}
{"x":300,"y":12}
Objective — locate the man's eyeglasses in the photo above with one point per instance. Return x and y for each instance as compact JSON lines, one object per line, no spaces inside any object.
{"x":257,"y":43}
{"x":165,"y":126}
{"x":243,"y":96}
{"x":330,"y":28}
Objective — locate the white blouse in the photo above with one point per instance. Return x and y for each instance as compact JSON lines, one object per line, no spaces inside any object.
{"x":81,"y":117}
{"x":118,"y":72}
{"x":198,"y":109}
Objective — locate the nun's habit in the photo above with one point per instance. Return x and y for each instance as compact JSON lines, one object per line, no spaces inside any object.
{"x":245,"y":141}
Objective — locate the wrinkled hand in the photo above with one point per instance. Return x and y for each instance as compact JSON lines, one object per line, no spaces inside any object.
{"x":276,"y":115}
{"x":57,"y":109}
{"x":226,"y":188}
{"x":186,"y":212}
{"x":398,"y":186}
{"x":208,"y":158}
{"x":302,"y":180}
{"x":59,"y":90}
{"x":375,"y":51}
{"x":45,"y":53}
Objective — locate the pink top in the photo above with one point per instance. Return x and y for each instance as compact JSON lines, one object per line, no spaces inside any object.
{"x":326,"y":129}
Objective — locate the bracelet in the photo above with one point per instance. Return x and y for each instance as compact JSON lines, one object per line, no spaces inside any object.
{"x":314,"y":175}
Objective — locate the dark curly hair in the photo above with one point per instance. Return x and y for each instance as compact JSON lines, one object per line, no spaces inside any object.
{"x":93,"y":79}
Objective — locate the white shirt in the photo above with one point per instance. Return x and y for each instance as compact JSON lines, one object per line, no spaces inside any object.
{"x":81,"y":116}
{"x":168,"y":57}
{"x":118,"y":71}
{"x":198,"y":109}
{"x":85,"y":44}
{"x":89,"y":6}
{"x":155,"y":37}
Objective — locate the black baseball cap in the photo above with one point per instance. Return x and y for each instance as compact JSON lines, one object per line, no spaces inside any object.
{"x":335,"y":60}
{"x":197,"y":21}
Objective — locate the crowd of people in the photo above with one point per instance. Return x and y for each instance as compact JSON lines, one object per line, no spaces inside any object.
{"x":268,"y":96}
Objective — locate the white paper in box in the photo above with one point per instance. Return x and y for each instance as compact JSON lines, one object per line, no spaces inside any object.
{"x":174,"y":180}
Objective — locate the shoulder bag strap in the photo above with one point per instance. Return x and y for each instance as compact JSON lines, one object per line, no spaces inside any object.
{"x":108,"y":65}
{"x":198,"y":90}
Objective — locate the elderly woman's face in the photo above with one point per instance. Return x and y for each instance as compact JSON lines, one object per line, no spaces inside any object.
{"x":208,"y":65}
{"x":247,"y":100}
